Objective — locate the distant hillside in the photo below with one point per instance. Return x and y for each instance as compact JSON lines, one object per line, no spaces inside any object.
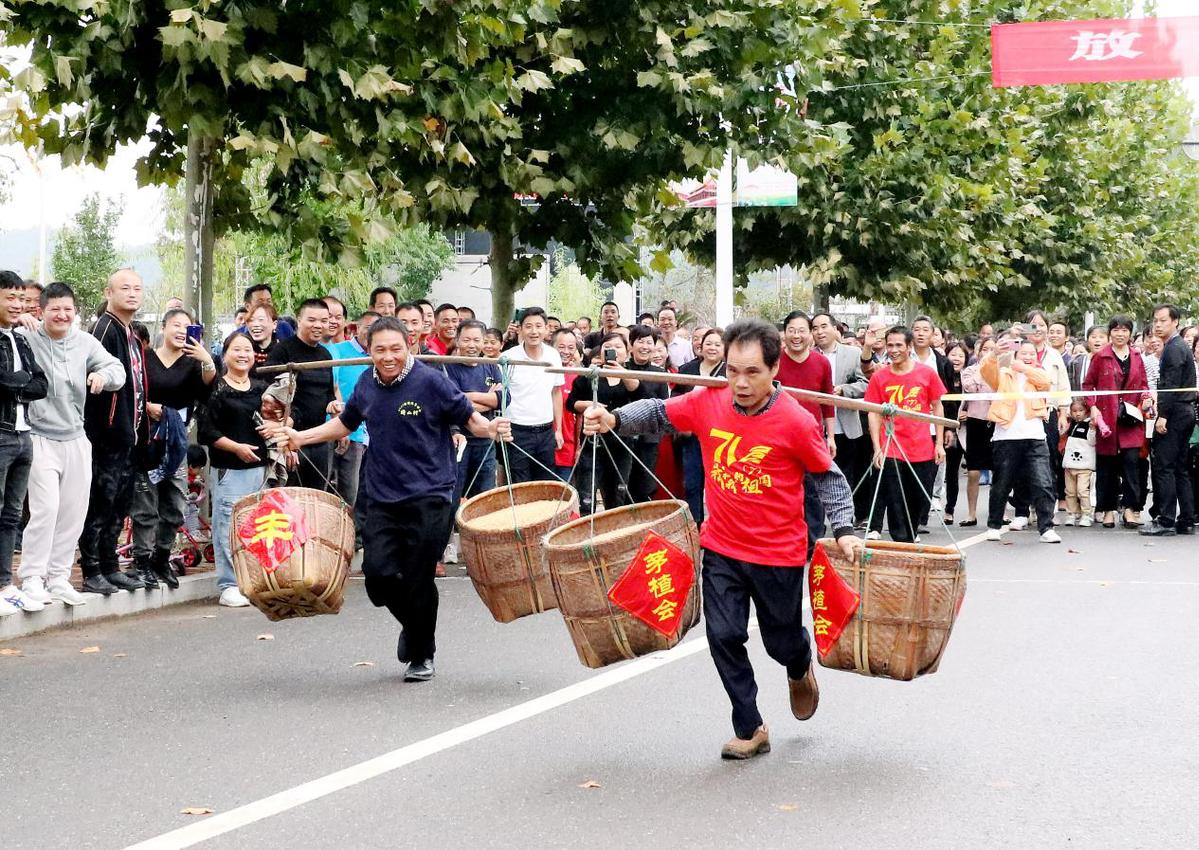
{"x":18,"y":252}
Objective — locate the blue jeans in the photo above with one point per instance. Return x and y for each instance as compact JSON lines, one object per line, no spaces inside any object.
{"x":477,"y":469}
{"x":231,"y":485}
{"x":16,"y":457}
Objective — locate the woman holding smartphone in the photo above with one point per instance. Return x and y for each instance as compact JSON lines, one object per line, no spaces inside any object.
{"x":237,"y":453}
{"x":179,"y":374}
{"x":613,"y":462}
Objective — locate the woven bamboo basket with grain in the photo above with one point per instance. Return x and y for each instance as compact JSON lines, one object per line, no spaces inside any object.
{"x":507,"y":565}
{"x":313,"y":579}
{"x":584,"y":569}
{"x":910,"y":598}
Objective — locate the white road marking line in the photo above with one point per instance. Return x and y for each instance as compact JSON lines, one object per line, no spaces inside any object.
{"x":1081,"y":581}
{"x":219,"y":824}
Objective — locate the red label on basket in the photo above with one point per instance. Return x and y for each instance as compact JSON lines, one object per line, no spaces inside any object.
{"x":273,"y":530}
{"x":833,"y":601}
{"x":655,"y":586}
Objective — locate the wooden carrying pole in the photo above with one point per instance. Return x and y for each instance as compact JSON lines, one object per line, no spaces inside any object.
{"x":366,"y":361}
{"x":807,"y":395}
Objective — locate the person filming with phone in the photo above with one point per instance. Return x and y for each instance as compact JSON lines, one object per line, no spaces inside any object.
{"x":179,"y":377}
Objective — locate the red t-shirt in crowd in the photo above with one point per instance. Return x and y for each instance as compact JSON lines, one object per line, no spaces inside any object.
{"x":436,"y":346}
{"x":815,"y":373}
{"x":917,"y":390}
{"x":754,"y":467}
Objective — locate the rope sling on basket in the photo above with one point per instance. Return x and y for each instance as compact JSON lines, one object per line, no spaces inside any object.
{"x":908,"y":595}
{"x":626,"y":578}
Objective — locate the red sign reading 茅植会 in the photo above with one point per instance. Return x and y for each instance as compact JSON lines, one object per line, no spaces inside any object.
{"x":655,"y":586}
{"x":833,"y":601}
{"x":1053,"y":52}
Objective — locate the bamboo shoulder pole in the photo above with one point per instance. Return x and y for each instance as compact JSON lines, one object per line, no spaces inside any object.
{"x":808,"y":395}
{"x":366,"y":361}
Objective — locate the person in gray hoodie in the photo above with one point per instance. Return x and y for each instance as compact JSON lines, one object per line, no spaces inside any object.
{"x":75,"y":364}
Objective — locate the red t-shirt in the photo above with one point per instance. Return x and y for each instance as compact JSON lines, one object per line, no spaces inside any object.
{"x":754,"y":467}
{"x":815,"y":373}
{"x":436,"y":346}
{"x":918,"y":390}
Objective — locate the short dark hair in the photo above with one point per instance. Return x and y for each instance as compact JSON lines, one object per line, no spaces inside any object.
{"x":575,"y":339}
{"x":367,"y":313}
{"x":797,"y":314}
{"x":58,"y":289}
{"x":529,"y":312}
{"x":900,"y":329}
{"x":423,"y":302}
{"x":473,"y":324}
{"x":666,"y":306}
{"x":639,"y":331}
{"x":644,"y":316}
{"x":610,"y":304}
{"x":11,"y":280}
{"x":825,"y":313}
{"x":139,"y":330}
{"x":235,"y":335}
{"x":406,"y":305}
{"x":383,"y":290}
{"x":443,"y":308}
{"x":584,"y":318}
{"x":495,"y":332}
{"x":170,"y":314}
{"x":747,"y":331}
{"x":386,"y":323}
{"x":928,"y":319}
{"x":1092,"y":330}
{"x":1061,"y":322}
{"x":335,"y":300}
{"x":311,"y":304}
{"x":549,"y":319}
{"x":1120,"y":321}
{"x":256,"y":287}
{"x":1032,"y":314}
{"x":1174,"y":312}
{"x":470,"y":310}
{"x":33,"y":284}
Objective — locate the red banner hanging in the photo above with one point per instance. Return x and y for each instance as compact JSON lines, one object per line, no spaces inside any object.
{"x":1038,"y":54}
{"x":274,"y":530}
{"x":655,"y":586}
{"x":833,"y":601}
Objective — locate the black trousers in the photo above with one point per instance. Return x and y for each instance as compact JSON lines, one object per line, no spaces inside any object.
{"x":1057,"y":478}
{"x":777,"y":594}
{"x":643,"y":485}
{"x":402,"y":543}
{"x":853,"y":457}
{"x":107,"y":507}
{"x":609,"y":476}
{"x":1172,"y":474}
{"x":315,"y":469}
{"x":953,"y":466}
{"x":902,"y":498}
{"x":1118,"y":481}
{"x":1022,"y":464}
{"x":538,"y":441}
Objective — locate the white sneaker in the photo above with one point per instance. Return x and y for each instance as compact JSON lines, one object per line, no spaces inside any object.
{"x":936,"y":505}
{"x":1069,"y":520}
{"x":1085,"y":522}
{"x":450,"y":556}
{"x":1018,"y":524}
{"x":1051,"y":536}
{"x":35,"y":589}
{"x":7,"y":608}
{"x":231,"y":597}
{"x":64,"y":593}
{"x":15,"y":597}
{"x":994,"y":534}
{"x":873,"y":535}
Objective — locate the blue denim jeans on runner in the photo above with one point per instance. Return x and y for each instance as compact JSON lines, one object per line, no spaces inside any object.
{"x":231,"y":485}
{"x":477,"y":469}
{"x":16,"y":456}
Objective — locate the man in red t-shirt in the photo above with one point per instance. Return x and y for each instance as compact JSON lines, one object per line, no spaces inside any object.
{"x":906,"y":457}
{"x":758,"y":444}
{"x":800,"y":366}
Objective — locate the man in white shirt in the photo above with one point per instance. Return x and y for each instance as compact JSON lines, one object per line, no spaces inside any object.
{"x":535,"y":404}
{"x":678,"y":348}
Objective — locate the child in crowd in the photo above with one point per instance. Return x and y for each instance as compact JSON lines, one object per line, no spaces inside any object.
{"x":1078,"y":463}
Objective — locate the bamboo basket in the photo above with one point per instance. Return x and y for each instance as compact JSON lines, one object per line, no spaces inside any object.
{"x":583,"y":570}
{"x":313,"y":580}
{"x":507,"y":566}
{"x":910,"y":597}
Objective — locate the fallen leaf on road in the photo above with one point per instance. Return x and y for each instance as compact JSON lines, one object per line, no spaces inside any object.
{"x":364,"y":664}
{"x":120,"y":655}
{"x":210,"y":616}
{"x":1007,"y":543}
{"x":591,"y":783}
{"x":11,"y":652}
{"x":89,"y":649}
{"x":265,"y":637}
{"x":1073,"y":552}
{"x":196,"y":810}
{"x":788,"y":807}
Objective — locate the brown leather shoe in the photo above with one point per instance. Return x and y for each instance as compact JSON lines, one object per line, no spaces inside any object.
{"x":805,"y":694}
{"x":740,"y":749}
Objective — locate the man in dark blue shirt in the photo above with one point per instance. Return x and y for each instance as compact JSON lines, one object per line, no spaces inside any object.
{"x":482,"y":384}
{"x":408,"y":479}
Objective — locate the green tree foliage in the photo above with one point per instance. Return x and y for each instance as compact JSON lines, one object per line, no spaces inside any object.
{"x":431,"y":110}
{"x":982,"y":202}
{"x":85,"y":251}
{"x":571,"y":292}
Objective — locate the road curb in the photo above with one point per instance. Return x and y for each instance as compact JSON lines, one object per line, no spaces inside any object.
{"x":193,"y":588}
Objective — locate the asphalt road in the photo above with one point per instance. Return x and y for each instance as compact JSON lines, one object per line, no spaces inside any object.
{"x":1060,"y":717}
